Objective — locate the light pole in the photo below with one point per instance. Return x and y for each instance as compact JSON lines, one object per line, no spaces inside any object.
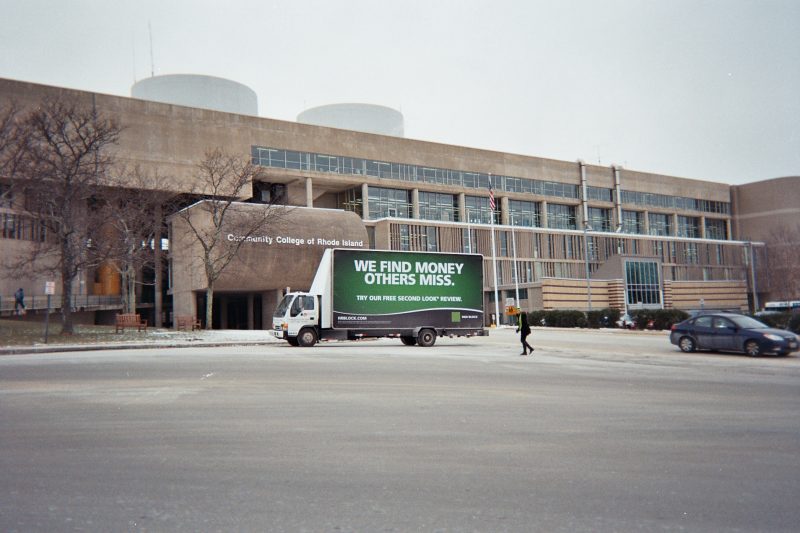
{"x":586,"y":229}
{"x":753,"y":276}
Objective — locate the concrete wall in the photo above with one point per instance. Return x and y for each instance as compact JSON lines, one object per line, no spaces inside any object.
{"x":285,"y":255}
{"x":705,"y":294}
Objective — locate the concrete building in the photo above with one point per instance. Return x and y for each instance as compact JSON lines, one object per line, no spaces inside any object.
{"x":568,"y":235}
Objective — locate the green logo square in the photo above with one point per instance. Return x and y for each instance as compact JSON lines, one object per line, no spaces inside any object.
{"x":455,"y":316}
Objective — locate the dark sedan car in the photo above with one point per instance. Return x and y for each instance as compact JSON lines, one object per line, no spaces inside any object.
{"x":732,"y":332}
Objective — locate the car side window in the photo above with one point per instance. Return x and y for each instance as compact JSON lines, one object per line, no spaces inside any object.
{"x":722,"y":323}
{"x":703,"y":322}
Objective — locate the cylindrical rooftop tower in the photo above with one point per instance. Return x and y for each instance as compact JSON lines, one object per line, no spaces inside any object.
{"x":368,"y":118}
{"x":193,"y":90}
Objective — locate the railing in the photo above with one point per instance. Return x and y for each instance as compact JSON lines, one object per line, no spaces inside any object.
{"x":84,"y":302}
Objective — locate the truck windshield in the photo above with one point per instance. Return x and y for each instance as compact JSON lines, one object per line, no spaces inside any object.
{"x":284,"y":305}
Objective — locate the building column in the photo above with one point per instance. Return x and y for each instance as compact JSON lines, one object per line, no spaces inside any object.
{"x":250,"y":311}
{"x":309,"y":193}
{"x":729,"y":230}
{"x":674,"y":225}
{"x":158,"y":304}
{"x":618,"y":193}
{"x":582,"y":219}
{"x":269,"y":301}
{"x":584,"y":193}
{"x":703,"y":227}
{"x":646,"y":222}
{"x":462,"y":207}
{"x":364,"y":201}
{"x":415,"y":203}
{"x":504,"y":218}
{"x":223,"y":311}
{"x":543,"y":214}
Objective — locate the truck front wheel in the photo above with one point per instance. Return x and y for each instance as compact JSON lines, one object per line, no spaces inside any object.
{"x":307,"y":337}
{"x":292,"y":341}
{"x":426,"y":338}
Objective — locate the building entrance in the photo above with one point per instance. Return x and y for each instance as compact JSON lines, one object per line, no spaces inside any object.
{"x":233,"y":310}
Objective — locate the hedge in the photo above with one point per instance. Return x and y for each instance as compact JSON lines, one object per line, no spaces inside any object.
{"x":657,"y":318}
{"x":606,"y":318}
{"x":788,"y":320}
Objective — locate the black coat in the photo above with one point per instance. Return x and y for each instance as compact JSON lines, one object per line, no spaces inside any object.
{"x":524,"y":328}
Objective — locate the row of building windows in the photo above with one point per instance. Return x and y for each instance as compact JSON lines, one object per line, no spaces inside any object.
{"x":14,"y":226}
{"x":295,"y":160}
{"x":397,"y":203}
{"x":528,"y":257}
{"x":675,"y":202}
{"x":558,"y":246}
{"x":6,"y":195}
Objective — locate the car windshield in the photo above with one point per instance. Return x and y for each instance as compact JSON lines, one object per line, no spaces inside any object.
{"x":284,"y":305}
{"x":747,"y":322}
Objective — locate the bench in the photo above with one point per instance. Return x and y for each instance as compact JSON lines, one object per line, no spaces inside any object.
{"x":187,"y":322}
{"x":129,"y":320}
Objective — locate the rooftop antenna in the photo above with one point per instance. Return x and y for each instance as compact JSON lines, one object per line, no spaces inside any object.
{"x":152,"y":63}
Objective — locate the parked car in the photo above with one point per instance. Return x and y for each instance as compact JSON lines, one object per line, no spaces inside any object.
{"x":732,"y":332}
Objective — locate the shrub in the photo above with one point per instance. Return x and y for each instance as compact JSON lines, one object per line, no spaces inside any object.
{"x":657,"y":318}
{"x":776,"y":320}
{"x":558,"y":319}
{"x":603,"y":318}
{"x":794,"y":323}
{"x":537,"y":318}
{"x":566,"y":319}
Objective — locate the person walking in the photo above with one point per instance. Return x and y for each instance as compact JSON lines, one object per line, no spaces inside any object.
{"x":524,"y":330}
{"x":19,"y":302}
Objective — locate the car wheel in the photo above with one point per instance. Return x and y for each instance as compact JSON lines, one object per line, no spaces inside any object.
{"x":408,"y":340}
{"x":687,"y":344}
{"x":426,"y":338}
{"x":752,"y":348}
{"x":307,"y":338}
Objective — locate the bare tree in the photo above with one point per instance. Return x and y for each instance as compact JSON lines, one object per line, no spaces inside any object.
{"x":13,"y":142}
{"x":61,"y":170}
{"x":783,"y":262}
{"x":133,"y":219}
{"x":224,"y":178}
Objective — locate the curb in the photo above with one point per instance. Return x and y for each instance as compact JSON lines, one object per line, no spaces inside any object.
{"x":22,"y":350}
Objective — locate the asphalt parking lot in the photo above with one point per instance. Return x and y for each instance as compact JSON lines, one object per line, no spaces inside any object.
{"x":598,"y":431}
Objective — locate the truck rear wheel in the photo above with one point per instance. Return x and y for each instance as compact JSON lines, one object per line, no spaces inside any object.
{"x":426,"y":338}
{"x":408,"y":340}
{"x":307,"y":337}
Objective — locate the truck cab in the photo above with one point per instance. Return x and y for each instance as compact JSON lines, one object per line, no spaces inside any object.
{"x":296,"y":319}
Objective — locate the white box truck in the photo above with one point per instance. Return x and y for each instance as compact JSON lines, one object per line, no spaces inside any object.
{"x":356,"y":293}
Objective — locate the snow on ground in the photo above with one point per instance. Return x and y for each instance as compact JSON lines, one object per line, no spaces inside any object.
{"x":215,"y":335}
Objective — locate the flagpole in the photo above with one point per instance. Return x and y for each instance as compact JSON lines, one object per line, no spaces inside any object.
{"x":494,"y":258}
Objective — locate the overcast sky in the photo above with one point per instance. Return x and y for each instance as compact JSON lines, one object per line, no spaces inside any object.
{"x":705,"y":89}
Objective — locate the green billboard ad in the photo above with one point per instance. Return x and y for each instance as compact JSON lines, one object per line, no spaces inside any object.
{"x":383,"y":289}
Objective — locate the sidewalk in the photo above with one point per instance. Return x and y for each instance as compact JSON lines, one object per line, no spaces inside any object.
{"x":153,"y":338}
